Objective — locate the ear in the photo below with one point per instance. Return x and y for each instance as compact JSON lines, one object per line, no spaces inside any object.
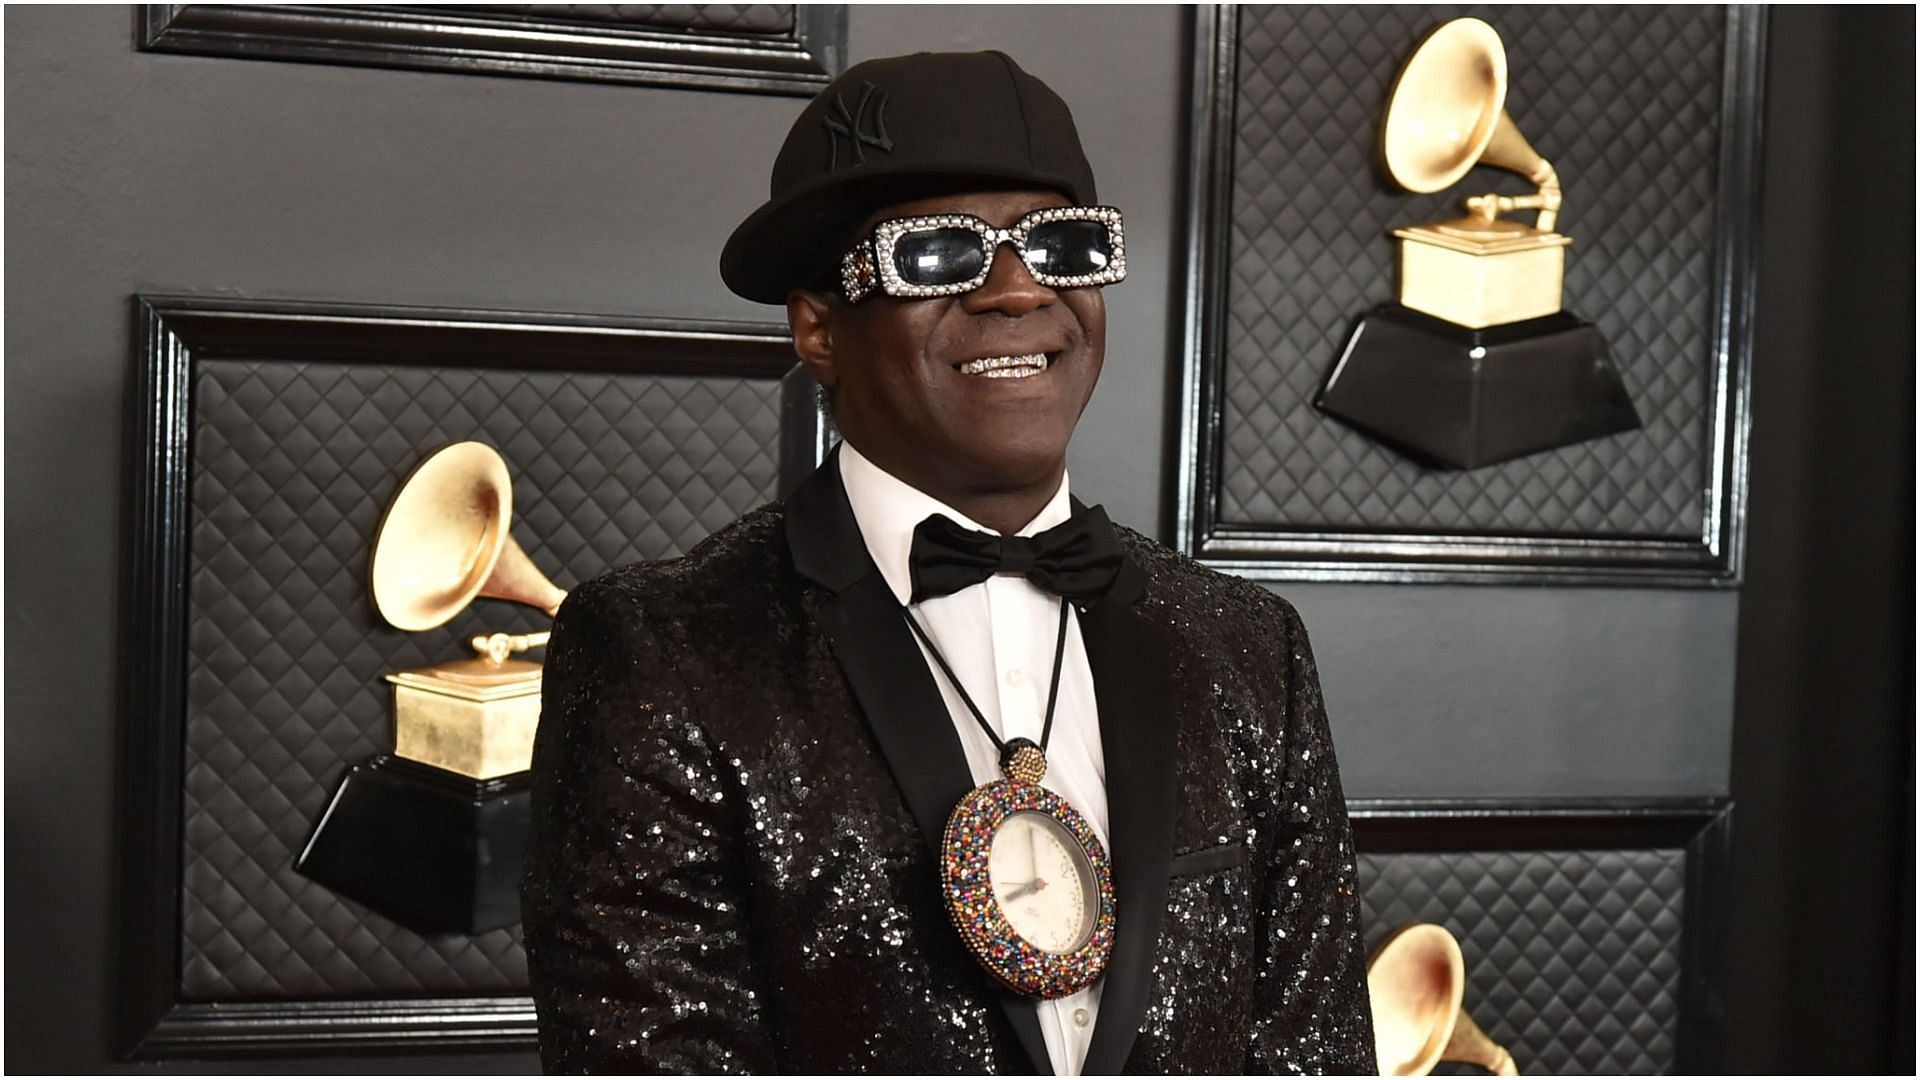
{"x":810,"y":317}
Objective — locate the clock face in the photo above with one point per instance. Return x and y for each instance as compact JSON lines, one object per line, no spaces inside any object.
{"x":1043,"y":881}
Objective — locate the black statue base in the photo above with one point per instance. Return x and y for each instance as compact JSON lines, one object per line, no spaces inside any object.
{"x":435,"y":851}
{"x":1464,"y":398}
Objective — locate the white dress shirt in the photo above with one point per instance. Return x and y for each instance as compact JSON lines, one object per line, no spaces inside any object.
{"x":998,"y":637}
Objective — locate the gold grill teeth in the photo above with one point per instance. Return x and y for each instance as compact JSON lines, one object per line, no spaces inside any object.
{"x":1006,"y":366}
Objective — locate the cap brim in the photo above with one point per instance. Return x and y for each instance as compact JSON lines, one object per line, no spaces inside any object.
{"x":782,"y":243}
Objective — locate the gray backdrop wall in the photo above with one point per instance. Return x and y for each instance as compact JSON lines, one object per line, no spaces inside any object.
{"x":131,"y":172}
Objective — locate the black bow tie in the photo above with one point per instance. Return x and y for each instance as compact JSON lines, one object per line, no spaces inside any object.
{"x":1076,"y":559}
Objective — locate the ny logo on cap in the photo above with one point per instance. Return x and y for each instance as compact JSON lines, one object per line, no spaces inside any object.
{"x":852,"y":126}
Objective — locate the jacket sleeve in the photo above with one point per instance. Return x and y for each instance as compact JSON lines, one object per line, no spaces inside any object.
{"x":633,"y":894}
{"x":1310,"y":1007}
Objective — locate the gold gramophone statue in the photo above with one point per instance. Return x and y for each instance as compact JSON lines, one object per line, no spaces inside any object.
{"x":1477,"y":363}
{"x":431,"y":834}
{"x":1417,"y":980}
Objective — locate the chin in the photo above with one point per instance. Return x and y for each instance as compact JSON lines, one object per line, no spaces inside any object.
{"x":1001,"y":465}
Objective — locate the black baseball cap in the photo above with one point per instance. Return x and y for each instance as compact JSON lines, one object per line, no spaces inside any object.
{"x":894,"y":129}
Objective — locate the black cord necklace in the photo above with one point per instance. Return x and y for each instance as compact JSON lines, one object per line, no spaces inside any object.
{"x":1008,"y":748}
{"x":1028,"y":884}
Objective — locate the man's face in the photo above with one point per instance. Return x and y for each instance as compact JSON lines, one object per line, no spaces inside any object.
{"x":900,"y":392}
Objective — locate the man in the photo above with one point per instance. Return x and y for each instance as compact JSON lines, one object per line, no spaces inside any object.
{"x":748,"y":757}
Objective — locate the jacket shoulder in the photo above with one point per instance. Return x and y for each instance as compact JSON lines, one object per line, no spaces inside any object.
{"x":1187,"y":591}
{"x":681,"y":627}
{"x":747,"y":554}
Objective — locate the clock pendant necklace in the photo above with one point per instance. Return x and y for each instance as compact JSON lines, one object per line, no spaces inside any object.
{"x":1028,"y":884}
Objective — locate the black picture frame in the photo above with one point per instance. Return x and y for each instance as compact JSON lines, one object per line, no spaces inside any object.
{"x":465,"y":41}
{"x":1701,"y":827}
{"x":1278,"y":553}
{"x":172,"y":335}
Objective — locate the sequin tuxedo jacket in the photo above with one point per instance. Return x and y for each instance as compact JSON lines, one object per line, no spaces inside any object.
{"x":744,"y":769}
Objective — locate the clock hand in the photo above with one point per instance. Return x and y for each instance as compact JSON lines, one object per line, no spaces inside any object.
{"x":1025,"y":888}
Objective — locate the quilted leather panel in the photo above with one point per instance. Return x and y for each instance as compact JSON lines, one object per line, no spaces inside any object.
{"x":1573,"y":957}
{"x":726,"y":18}
{"x":293,"y":466}
{"x":1625,"y":102}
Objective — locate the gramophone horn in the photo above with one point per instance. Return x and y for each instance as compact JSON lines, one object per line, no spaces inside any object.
{"x":445,"y":541}
{"x":1471,"y":1045}
{"x":1417,"y":979}
{"x":1448,"y":113}
{"x":1445,"y":106}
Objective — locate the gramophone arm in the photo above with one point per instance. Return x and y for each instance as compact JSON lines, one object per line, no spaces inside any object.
{"x":497,"y":647}
{"x":1547,"y":201}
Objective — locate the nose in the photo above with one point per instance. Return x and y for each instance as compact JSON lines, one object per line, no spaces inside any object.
{"x":1009,"y":288}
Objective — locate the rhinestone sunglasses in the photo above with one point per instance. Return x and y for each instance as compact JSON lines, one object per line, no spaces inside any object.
{"x":1063,"y":247}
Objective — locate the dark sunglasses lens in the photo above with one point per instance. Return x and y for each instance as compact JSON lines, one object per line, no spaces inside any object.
{"x":937,"y":256}
{"x":1069,"y":248}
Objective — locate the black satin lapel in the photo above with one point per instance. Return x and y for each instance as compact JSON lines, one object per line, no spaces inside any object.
{"x":822,"y":533}
{"x":1137,"y":727}
{"x":902,"y":704}
{"x":909,"y":720}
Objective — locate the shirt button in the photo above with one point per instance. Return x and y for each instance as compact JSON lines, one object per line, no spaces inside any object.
{"x":1081,"y":1018}
{"x":1016,"y":678}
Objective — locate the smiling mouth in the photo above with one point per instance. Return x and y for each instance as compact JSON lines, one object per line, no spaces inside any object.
{"x":1006,"y":367}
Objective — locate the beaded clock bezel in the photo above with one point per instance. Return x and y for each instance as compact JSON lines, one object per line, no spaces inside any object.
{"x":863,"y":269}
{"x":1012,"y":960}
